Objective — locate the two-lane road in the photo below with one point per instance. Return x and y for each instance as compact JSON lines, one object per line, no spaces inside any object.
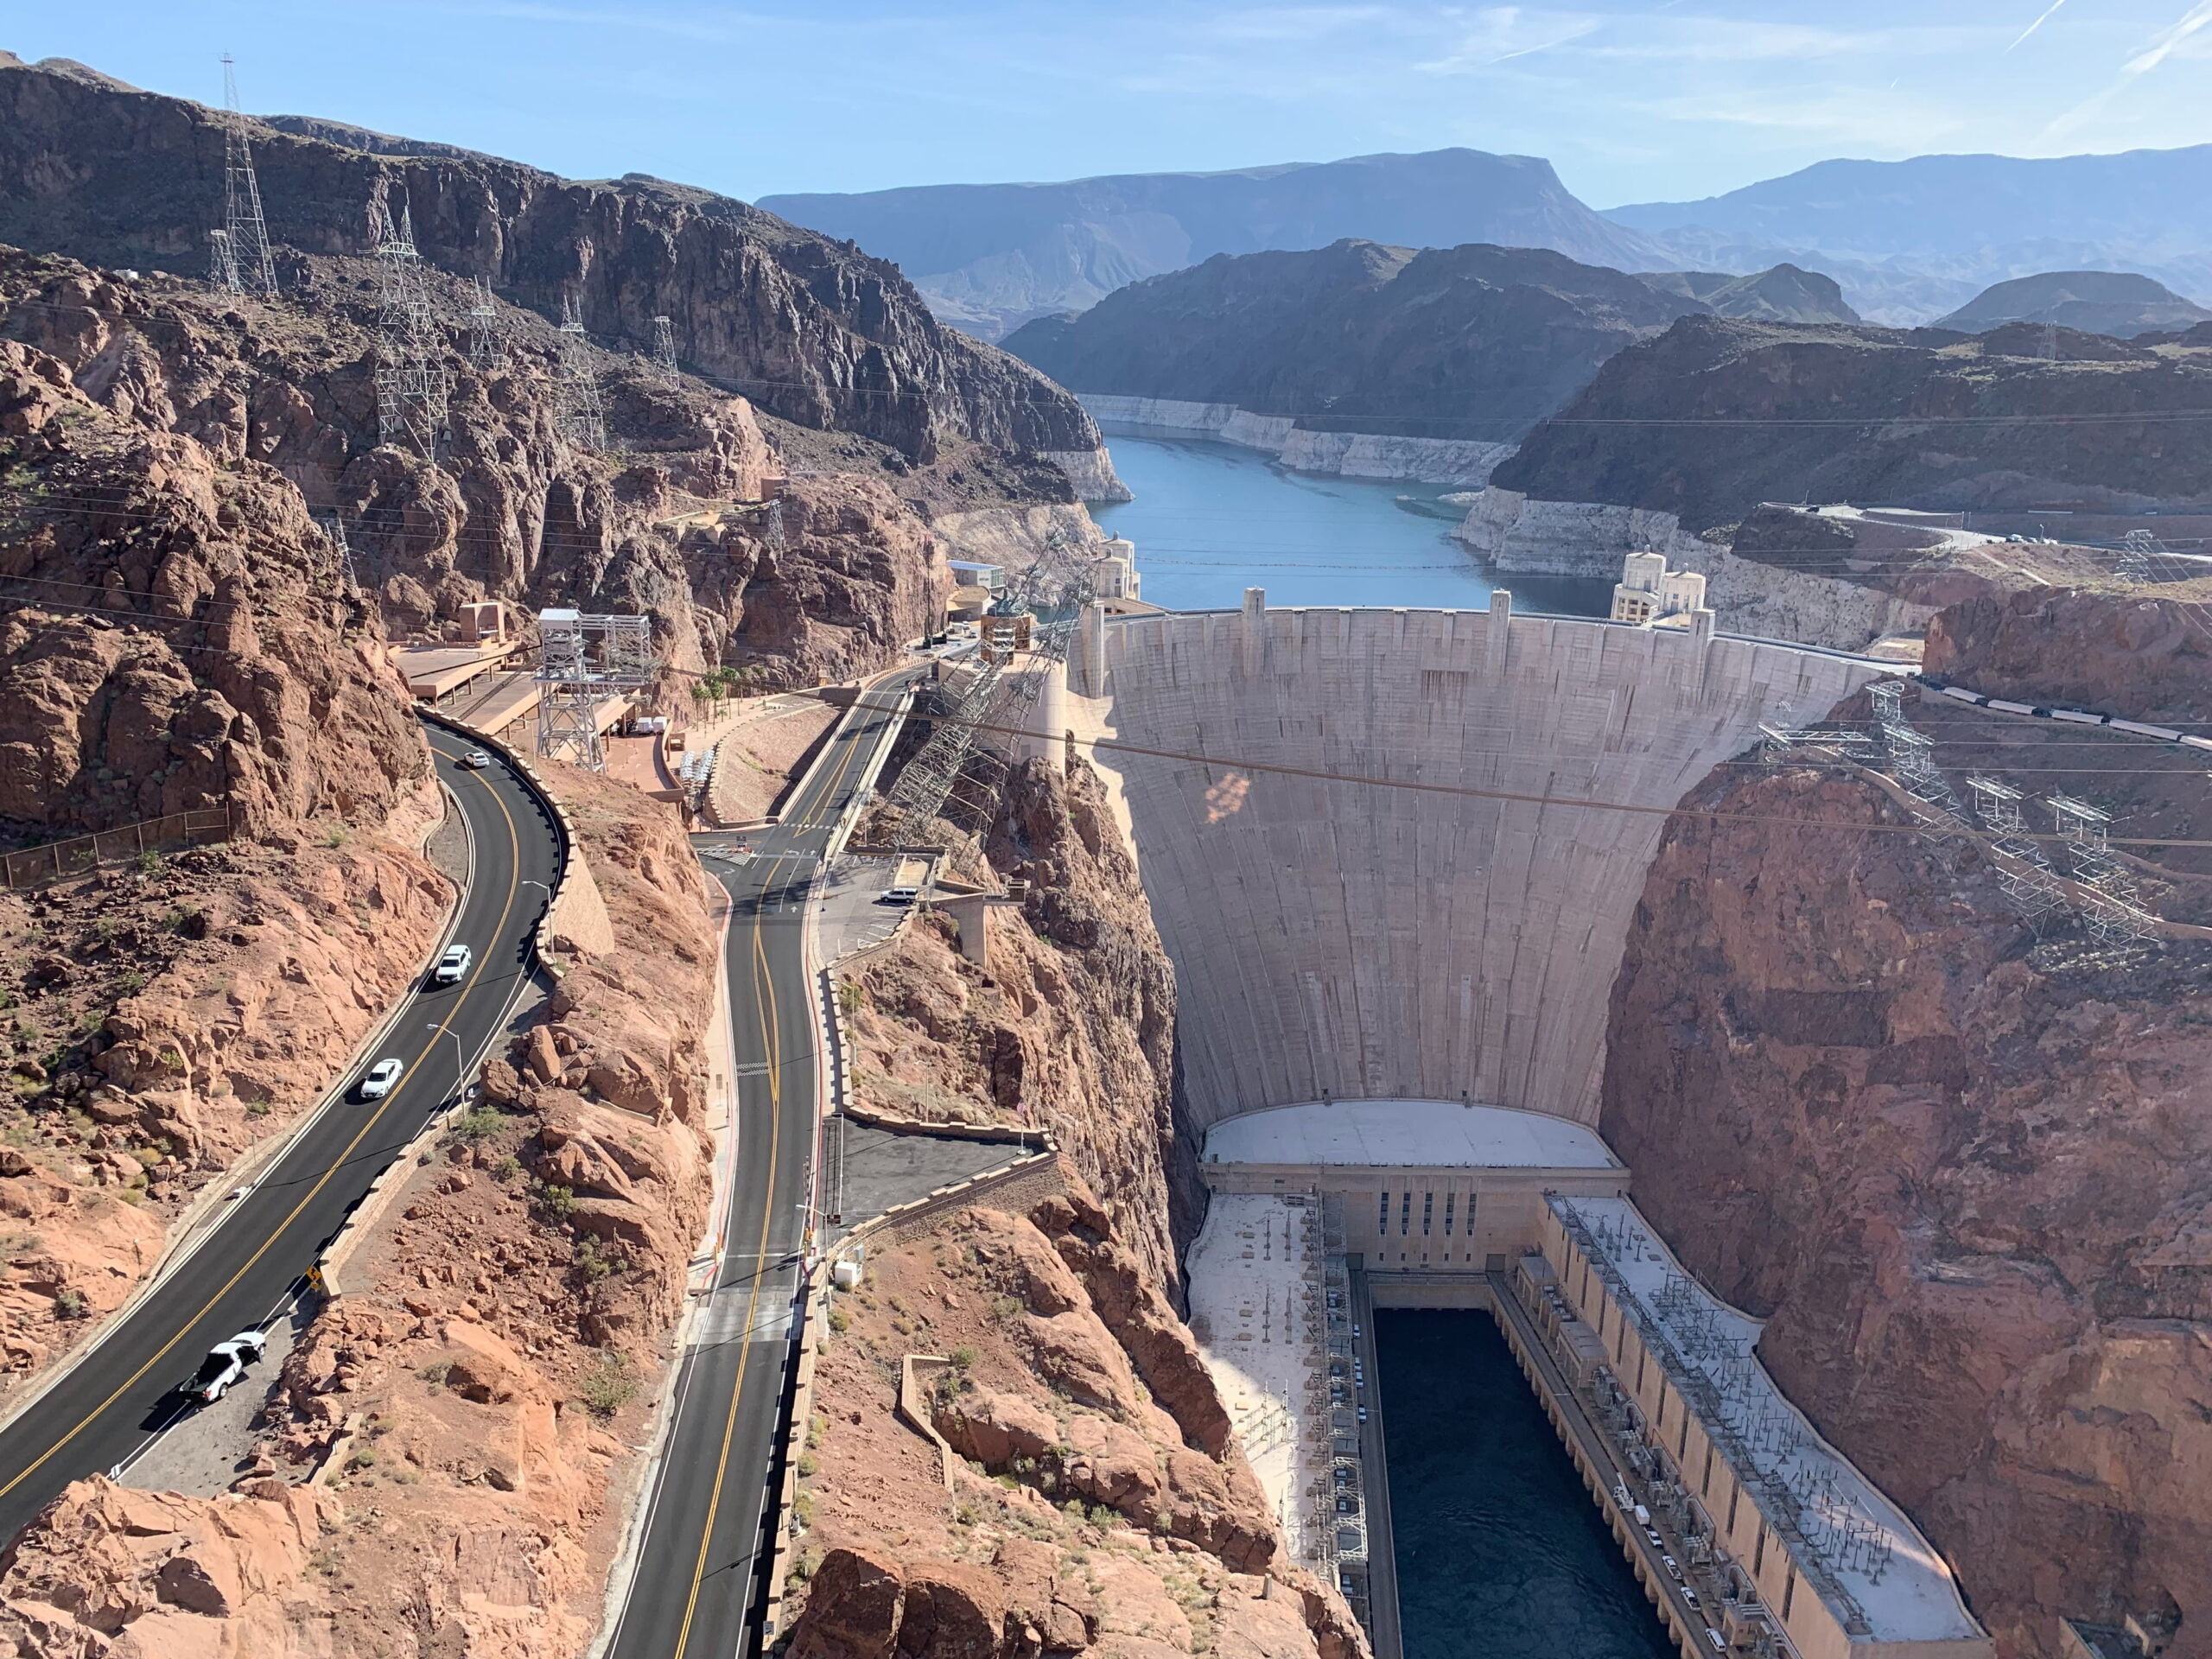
{"x":701,"y":1572}
{"x":242,"y":1270}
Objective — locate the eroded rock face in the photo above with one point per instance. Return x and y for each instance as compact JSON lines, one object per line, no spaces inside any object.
{"x":817,"y":330}
{"x":1963,"y":1177}
{"x":1124,"y":1520}
{"x":2137,"y":655}
{"x":1070,"y":1025}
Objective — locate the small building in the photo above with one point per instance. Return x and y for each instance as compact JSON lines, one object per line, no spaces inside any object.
{"x":1648,"y":592}
{"x":1114,"y":573}
{"x":973,"y":573}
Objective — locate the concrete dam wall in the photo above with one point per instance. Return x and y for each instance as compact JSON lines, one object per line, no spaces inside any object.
{"x":1335,"y":939}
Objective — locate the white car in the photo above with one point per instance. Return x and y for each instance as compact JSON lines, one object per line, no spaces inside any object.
{"x":225,"y":1364}
{"x":474,"y":760}
{"x":452,"y":965}
{"x":381,"y":1077}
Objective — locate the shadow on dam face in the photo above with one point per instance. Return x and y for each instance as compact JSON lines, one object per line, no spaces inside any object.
{"x":1501,"y":1553}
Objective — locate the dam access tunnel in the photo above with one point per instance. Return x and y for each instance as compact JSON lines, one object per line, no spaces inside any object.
{"x":1395,"y":855}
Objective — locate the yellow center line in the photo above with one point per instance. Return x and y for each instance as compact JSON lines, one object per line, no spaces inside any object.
{"x":764,"y":998}
{"x":229,"y":1284}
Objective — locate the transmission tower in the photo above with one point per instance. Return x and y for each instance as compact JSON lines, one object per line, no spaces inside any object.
{"x":2030,"y":886}
{"x":241,"y":258}
{"x":2113,"y":909}
{"x":486,"y":338}
{"x":341,"y":568}
{"x":584,"y":660}
{"x":223,"y":262}
{"x":665,"y":353}
{"x":412,"y":385}
{"x":1910,"y":756}
{"x":1050,"y":595}
{"x":577,"y":413}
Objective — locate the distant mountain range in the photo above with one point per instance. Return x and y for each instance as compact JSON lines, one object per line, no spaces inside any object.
{"x":1469,"y":344}
{"x":2095,"y":302}
{"x":1906,"y":241}
{"x":989,"y":256}
{"x":1910,"y":240}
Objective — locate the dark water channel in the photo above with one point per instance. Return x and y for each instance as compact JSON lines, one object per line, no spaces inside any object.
{"x":1501,"y":1553}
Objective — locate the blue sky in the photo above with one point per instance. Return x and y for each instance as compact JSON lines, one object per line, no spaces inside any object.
{"x":1661,"y":99}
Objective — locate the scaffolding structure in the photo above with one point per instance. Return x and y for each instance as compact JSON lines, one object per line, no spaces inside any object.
{"x":2112,"y":906}
{"x":577,"y":411}
{"x":665,"y":353}
{"x":1911,"y":756}
{"x":954,"y":776}
{"x":2030,"y":884}
{"x":584,"y":660}
{"x":239,"y":251}
{"x":487,"y":341}
{"x":412,"y":384}
{"x":2132,"y":558}
{"x":1781,"y":740}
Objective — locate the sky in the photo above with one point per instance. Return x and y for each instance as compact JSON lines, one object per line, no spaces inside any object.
{"x":1661,"y":99}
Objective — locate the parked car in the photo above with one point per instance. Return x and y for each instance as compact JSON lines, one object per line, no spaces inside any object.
{"x":452,"y":965}
{"x":1673,"y":1568}
{"x":475,"y":760}
{"x":381,"y":1077}
{"x":1719,"y":1642}
{"x":1690,"y":1596}
{"x":1363,"y":1413}
{"x":225,"y":1364}
{"x":1657,"y":1542}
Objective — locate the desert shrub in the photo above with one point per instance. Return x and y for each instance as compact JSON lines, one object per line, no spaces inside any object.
{"x":607,"y":1385}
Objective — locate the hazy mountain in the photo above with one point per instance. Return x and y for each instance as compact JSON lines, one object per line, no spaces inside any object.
{"x":2096,"y":302}
{"x":1910,"y":239}
{"x":1784,"y":294}
{"x":1474,"y":342}
{"x":989,"y":257}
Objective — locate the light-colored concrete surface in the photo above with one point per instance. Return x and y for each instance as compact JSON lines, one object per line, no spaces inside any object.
{"x":853,"y":917}
{"x":201,"y":1451}
{"x":1336,"y":939}
{"x":1398,"y":1133}
{"x":1255,"y":1276}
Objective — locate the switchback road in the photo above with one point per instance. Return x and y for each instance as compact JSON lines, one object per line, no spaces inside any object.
{"x":241,"y":1270}
{"x":700,"y":1572}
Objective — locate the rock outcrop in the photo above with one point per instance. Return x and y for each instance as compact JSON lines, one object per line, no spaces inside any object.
{"x":1474,"y":344}
{"x":1716,"y":415}
{"x":1346,"y":454}
{"x":1100,"y":1505}
{"x":1070,"y":1025}
{"x":1962,"y":1174}
{"x":810,"y":329}
{"x":2140,"y":655}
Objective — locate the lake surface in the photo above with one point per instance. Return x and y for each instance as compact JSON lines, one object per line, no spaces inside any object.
{"x":1501,"y":1553}
{"x":1212,"y":519}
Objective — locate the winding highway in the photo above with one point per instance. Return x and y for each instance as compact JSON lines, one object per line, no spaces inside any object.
{"x":242,"y":1270}
{"x":699,"y":1585}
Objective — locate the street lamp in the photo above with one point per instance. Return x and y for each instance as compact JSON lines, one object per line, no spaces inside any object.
{"x":457,"y":1062}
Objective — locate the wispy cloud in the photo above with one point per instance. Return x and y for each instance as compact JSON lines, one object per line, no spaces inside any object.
{"x":1502,"y":34}
{"x":2042,"y":18}
{"x":2161,"y":46}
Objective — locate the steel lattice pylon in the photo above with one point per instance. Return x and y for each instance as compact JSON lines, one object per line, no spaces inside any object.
{"x":583,"y":661}
{"x":2112,"y":907}
{"x":486,"y":338}
{"x":952,"y":772}
{"x":2029,"y":882}
{"x":578,"y":413}
{"x":412,"y":384}
{"x":240,"y":254}
{"x":665,"y":353}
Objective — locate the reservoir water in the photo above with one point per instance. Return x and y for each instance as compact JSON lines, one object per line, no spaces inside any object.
{"x":1501,"y":1553}
{"x":1212,"y":519}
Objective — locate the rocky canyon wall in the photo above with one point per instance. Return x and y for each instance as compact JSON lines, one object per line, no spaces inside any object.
{"x":811,"y":329}
{"x":1333,"y":935}
{"x":1962,"y":1174}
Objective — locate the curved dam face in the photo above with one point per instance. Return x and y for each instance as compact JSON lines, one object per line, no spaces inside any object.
{"x":1337,"y":940}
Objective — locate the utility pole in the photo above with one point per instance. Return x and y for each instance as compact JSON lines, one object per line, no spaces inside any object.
{"x":241,"y":258}
{"x":578,"y":414}
{"x":665,"y":353}
{"x":412,"y":385}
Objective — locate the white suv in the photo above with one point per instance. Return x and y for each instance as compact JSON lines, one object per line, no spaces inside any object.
{"x":452,"y":965}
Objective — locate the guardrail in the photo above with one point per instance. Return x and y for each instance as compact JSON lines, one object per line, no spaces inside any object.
{"x":541,"y":943}
{"x":58,"y":860}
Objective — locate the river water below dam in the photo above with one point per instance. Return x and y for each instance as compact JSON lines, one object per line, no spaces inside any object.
{"x":1212,"y":519}
{"x":1500,"y":1554}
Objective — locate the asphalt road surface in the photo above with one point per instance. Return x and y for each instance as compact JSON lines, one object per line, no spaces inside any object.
{"x":699,"y":1588}
{"x":244,"y":1270}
